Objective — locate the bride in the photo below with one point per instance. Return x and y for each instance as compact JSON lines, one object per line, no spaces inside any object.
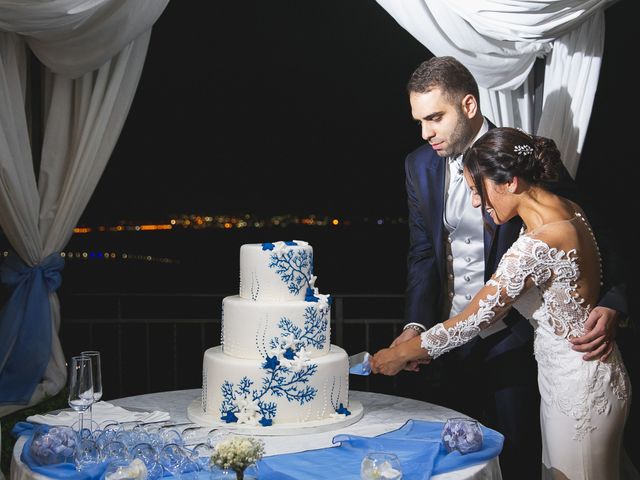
{"x":551,"y":275}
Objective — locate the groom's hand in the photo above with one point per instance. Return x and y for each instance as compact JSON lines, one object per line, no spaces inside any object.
{"x":387,"y":362}
{"x":600,"y":328}
{"x":408,"y":334}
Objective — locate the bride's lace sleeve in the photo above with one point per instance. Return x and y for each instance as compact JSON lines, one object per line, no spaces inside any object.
{"x":522,"y":266}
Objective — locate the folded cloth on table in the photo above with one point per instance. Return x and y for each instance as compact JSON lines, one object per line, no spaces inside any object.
{"x":417,"y":444}
{"x":101,"y":412}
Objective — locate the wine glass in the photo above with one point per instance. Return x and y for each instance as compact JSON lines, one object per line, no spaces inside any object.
{"x":80,"y":386}
{"x":96,"y":368}
{"x":173,"y":460}
{"x":380,"y":465}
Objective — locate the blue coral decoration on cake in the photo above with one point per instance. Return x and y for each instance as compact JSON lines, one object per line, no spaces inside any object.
{"x":293,"y":266}
{"x":287,"y":371}
{"x":312,"y":335}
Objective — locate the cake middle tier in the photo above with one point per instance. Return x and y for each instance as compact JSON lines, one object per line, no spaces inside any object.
{"x":257,"y":329}
{"x":275,"y":390}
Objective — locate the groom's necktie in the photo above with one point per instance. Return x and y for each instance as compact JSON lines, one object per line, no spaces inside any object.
{"x":457,"y":194}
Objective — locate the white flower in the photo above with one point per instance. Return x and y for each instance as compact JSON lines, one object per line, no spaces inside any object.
{"x":298,"y":362}
{"x":237,"y":453}
{"x":277,"y":246}
{"x":136,"y":470}
{"x":387,"y":471}
{"x":249,"y":411}
{"x":289,"y":342}
{"x":276,"y":352}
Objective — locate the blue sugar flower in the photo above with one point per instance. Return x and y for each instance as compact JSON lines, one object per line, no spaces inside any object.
{"x":268,"y":246}
{"x":309,"y":295}
{"x":289,"y":354}
{"x":291,"y":243}
{"x":265,"y":422}
{"x":271,"y":363}
{"x":342,"y":410}
{"x":229,"y":417}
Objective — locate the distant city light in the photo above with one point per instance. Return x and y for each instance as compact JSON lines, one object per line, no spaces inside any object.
{"x":228,"y":222}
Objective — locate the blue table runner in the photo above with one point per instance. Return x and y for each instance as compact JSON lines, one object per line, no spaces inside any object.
{"x":417,"y":445}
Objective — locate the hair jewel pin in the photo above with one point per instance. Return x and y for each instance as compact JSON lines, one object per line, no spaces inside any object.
{"x":523,"y":149}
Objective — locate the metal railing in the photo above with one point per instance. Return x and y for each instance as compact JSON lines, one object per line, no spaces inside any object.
{"x":154,"y":342}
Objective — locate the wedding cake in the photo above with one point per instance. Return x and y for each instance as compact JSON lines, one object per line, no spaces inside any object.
{"x":275,"y":371}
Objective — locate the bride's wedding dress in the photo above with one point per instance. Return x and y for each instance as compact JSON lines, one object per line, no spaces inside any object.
{"x":584,"y":404}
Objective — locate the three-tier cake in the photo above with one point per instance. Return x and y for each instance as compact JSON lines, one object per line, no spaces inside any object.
{"x":275,"y":371}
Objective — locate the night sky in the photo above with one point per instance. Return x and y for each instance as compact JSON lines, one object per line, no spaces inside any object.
{"x":299,"y":106}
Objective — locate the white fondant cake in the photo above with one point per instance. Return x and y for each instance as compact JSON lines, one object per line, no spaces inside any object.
{"x":266,"y":319}
{"x":276,"y":368}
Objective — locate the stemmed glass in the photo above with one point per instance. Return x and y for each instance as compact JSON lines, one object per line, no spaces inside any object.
{"x":94,"y":355}
{"x":172,"y":458}
{"x":80,"y":386}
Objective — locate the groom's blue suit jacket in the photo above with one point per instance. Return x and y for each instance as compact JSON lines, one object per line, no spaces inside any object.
{"x":426,"y":287}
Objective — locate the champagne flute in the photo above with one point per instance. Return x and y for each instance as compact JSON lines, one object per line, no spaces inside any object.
{"x":80,"y":386}
{"x":94,"y":355}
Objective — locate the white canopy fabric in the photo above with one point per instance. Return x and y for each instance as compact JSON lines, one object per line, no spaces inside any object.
{"x":499,"y":41}
{"x":93,"y":52}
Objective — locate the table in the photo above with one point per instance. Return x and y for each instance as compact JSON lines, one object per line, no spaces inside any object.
{"x":382,"y":413}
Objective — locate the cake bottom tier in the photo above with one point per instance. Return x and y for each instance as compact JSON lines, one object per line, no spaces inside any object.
{"x":275,"y":390}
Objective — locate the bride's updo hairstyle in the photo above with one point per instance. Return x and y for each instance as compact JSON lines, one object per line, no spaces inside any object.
{"x":504,"y":153}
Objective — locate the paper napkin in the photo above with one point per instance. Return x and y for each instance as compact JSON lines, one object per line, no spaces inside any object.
{"x":102,"y":411}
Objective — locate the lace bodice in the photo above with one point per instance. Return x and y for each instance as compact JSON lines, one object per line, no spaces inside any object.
{"x":530,"y":262}
{"x":542,"y":282}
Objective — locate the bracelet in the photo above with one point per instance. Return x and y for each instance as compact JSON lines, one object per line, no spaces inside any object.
{"x":415,"y":326}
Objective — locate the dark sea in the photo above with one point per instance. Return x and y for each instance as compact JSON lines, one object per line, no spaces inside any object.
{"x":347,"y":259}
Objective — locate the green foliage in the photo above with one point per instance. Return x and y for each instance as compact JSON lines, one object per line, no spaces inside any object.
{"x":52,"y":403}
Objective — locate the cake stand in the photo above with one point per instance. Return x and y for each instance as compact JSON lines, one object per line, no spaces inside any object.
{"x":198,"y":416}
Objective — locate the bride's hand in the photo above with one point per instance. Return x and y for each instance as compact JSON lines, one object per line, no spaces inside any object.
{"x":387,"y":362}
{"x":405,"y":336}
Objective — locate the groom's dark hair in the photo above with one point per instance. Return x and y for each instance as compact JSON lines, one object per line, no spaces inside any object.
{"x":447,"y":74}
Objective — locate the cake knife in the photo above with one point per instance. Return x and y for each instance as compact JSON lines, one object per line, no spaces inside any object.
{"x":359,"y":364}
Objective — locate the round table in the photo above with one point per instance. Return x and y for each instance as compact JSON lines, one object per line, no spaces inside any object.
{"x":382,"y":413}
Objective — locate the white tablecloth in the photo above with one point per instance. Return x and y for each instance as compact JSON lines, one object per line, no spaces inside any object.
{"x":382,"y":413}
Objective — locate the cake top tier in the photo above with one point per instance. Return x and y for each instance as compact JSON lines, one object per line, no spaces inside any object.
{"x":279,"y":271}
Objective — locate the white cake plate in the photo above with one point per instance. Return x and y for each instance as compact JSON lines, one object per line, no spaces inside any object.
{"x":197,"y":415}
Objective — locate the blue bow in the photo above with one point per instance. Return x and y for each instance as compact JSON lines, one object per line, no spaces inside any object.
{"x":25,"y":325}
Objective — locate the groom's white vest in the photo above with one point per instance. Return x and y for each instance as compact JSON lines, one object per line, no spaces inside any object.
{"x":465,"y":263}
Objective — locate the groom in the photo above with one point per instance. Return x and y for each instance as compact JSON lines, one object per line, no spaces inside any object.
{"x":452,"y":254}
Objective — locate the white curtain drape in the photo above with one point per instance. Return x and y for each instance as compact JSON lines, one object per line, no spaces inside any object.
{"x":93,"y":52}
{"x":499,"y":41}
